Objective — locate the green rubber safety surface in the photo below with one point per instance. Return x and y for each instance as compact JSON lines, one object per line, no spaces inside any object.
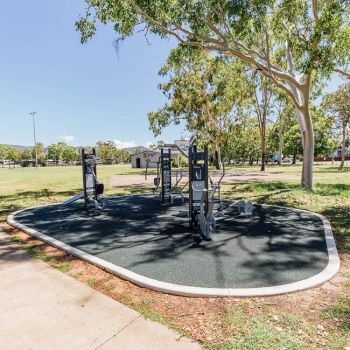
{"x":273,"y":247}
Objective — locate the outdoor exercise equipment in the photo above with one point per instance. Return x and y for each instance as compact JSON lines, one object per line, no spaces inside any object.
{"x":163,"y":179}
{"x":165,"y":163}
{"x":202,"y":216}
{"x":177,"y":189}
{"x":156,"y":180}
{"x":92,"y":188}
{"x":201,"y":205}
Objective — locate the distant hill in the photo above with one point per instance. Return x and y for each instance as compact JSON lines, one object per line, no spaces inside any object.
{"x":18,"y":147}
{"x":136,"y":149}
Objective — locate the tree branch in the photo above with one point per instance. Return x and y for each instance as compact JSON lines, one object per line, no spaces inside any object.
{"x":271,"y":72}
{"x":342,"y":72}
{"x":315,"y":10}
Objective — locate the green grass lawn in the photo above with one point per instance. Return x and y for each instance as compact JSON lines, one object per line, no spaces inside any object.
{"x":25,"y":187}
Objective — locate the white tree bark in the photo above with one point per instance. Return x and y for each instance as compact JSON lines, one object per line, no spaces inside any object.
{"x":218,"y":156}
{"x":343,"y":147}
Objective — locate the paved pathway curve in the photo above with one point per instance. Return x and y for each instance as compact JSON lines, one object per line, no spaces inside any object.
{"x":42,"y":308}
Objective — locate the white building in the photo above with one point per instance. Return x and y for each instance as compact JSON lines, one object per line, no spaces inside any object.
{"x":151,"y":157}
{"x":183,"y":144}
{"x":140,"y":160}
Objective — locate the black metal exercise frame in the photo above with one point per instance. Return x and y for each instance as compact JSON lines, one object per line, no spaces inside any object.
{"x":198,"y":174}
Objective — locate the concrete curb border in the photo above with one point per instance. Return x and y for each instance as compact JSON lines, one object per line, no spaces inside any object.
{"x":326,"y":274}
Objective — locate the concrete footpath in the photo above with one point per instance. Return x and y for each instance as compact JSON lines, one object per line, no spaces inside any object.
{"x":42,"y":308}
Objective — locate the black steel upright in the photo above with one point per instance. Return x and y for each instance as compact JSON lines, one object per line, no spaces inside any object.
{"x":88,"y":162}
{"x":165,"y":162}
{"x":198,"y":181}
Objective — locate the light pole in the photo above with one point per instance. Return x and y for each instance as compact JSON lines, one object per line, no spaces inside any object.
{"x":36,"y":150}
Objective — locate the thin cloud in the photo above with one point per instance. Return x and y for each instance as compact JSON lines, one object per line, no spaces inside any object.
{"x":124,"y":144}
{"x":66,"y":139}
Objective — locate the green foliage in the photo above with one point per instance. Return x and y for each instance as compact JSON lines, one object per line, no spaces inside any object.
{"x":108,"y":152}
{"x":325,"y":143}
{"x":318,"y":37}
{"x":243,"y":141}
{"x":13,"y":154}
{"x":293,"y":43}
{"x":10,"y":153}
{"x":337,"y":106}
{"x":62,"y":152}
{"x":203,"y":91}
{"x":27,"y":154}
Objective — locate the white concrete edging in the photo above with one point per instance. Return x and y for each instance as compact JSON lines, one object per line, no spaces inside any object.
{"x":326,"y":274}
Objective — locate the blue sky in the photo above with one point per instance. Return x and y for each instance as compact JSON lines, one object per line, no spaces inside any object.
{"x":81,"y":93}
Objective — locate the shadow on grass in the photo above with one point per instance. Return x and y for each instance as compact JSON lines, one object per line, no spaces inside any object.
{"x":333,"y":169}
{"x":21,"y":200}
{"x":340,"y":219}
{"x":131,"y":189}
{"x":12,"y":202}
{"x":278,"y":187}
{"x":264,"y":186}
{"x":332,"y":189}
{"x":275,"y":193}
{"x":263,"y":193}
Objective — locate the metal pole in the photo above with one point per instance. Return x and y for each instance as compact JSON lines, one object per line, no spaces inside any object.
{"x":36,"y":150}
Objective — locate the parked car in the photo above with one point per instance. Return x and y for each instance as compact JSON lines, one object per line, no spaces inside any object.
{"x":287,"y":160}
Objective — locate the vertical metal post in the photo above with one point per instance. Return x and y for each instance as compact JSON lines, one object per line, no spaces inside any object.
{"x":165,"y":163}
{"x":36,"y":150}
{"x":95,"y":172}
{"x":206,"y":170}
{"x":84,"y":177}
{"x":190,"y":204}
{"x":162,"y":172}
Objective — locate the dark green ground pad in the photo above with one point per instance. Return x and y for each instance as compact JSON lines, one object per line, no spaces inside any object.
{"x":276,"y":246}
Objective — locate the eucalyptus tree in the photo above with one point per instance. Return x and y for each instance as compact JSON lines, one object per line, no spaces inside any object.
{"x":70,"y":154}
{"x":285,"y":119}
{"x":290,"y":42}
{"x":106,"y":150}
{"x":13,"y":154}
{"x":55,"y":151}
{"x":261,"y":97}
{"x":243,"y":140}
{"x":324,"y":140}
{"x":27,"y":154}
{"x":204,"y":92}
{"x":3,"y":151}
{"x":337,"y":105}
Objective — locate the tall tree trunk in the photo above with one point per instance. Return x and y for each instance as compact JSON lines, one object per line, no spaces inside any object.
{"x":302,"y":96}
{"x":294,"y":159}
{"x":308,"y":149}
{"x":343,"y":147}
{"x":218,"y":156}
{"x":263,"y":153}
{"x":280,"y":145}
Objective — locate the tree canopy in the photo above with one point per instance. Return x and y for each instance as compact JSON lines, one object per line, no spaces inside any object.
{"x":204,"y":92}
{"x":291,"y":42}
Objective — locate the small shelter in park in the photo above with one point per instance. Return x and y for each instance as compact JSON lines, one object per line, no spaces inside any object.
{"x":140,"y":160}
{"x":152,"y":156}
